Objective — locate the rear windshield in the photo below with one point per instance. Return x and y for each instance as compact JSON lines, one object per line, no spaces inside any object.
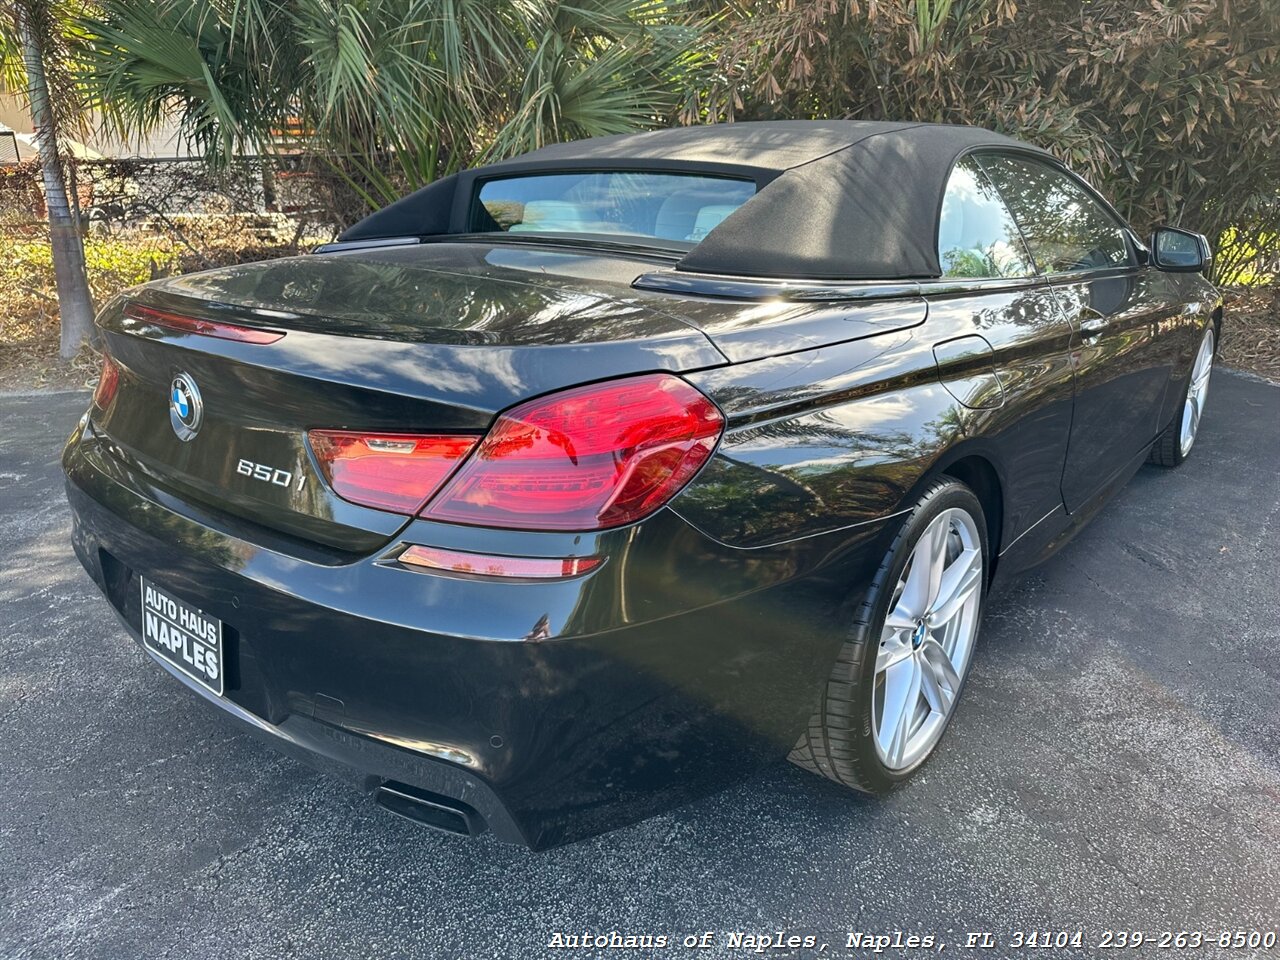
{"x":675,"y":208}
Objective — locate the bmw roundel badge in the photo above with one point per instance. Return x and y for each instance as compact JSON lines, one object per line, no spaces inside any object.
{"x":186,"y":409}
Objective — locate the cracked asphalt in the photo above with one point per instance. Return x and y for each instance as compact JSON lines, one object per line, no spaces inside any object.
{"x":1115,"y":764}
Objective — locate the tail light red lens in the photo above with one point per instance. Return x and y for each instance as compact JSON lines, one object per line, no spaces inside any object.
{"x":389,"y":471}
{"x":206,"y":328}
{"x":108,"y":383}
{"x":585,"y":459}
{"x":486,"y":565}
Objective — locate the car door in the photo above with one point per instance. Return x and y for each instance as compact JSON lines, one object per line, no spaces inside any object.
{"x":1117,"y":306}
{"x":991,"y":303}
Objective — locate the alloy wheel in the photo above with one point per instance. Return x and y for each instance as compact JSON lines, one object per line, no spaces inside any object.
{"x":1197,"y":392}
{"x":927,"y":639}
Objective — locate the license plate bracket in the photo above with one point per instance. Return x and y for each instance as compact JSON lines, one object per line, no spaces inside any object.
{"x":182,"y":635}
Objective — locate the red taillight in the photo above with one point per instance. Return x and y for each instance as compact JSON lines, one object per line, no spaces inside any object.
{"x":586,"y":458}
{"x":487,"y":565}
{"x":207,"y":328}
{"x":390,"y":471}
{"x":108,"y":383}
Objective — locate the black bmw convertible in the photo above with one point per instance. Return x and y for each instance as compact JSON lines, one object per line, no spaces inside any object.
{"x":573,"y":487}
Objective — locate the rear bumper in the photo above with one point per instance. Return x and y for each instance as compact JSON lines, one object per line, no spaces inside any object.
{"x":556,"y":710}
{"x":365,"y":762}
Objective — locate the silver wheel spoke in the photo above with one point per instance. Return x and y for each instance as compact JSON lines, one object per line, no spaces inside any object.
{"x":899,"y":618}
{"x":925,"y":573}
{"x":930,"y":614}
{"x":901,"y":695}
{"x":1204,"y":360}
{"x":1197,"y":390}
{"x":939,"y":681}
{"x":959,"y":581}
{"x":892,"y":651}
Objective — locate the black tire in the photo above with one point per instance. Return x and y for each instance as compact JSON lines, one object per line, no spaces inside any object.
{"x":838,"y":743}
{"x":1167,"y":450}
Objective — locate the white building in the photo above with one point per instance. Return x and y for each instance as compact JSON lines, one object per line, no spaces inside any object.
{"x":17,"y":142}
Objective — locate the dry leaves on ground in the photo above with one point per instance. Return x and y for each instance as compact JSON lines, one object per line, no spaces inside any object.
{"x":1251,"y":331}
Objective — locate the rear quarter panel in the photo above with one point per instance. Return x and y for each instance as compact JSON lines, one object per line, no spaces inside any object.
{"x":832,"y":437}
{"x":820,"y":440}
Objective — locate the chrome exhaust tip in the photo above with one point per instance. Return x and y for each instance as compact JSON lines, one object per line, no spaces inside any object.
{"x":429,"y":809}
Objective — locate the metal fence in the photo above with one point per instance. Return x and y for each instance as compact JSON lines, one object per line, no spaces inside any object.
{"x":254,"y":206}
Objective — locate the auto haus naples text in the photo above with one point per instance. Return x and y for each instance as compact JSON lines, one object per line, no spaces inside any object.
{"x":182,"y":632}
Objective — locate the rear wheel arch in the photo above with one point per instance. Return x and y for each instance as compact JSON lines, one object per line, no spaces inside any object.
{"x":980,"y":475}
{"x":973,"y":466}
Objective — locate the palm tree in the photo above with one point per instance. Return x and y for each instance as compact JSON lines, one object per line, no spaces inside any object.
{"x":33,"y":34}
{"x":396,"y":92}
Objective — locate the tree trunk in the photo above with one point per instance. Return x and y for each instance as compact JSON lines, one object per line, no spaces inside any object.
{"x":75,"y":304}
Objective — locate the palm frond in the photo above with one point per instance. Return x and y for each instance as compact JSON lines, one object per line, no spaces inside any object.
{"x":399,"y":91}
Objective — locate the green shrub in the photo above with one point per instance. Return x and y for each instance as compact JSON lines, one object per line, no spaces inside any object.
{"x":1172,"y":107}
{"x":28,"y":292}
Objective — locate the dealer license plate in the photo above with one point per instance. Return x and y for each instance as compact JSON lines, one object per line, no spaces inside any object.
{"x":188,"y":638}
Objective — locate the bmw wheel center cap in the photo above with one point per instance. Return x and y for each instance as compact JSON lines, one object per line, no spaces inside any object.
{"x":186,"y":408}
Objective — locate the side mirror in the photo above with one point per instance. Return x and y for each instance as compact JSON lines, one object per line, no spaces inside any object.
{"x":1180,"y":251}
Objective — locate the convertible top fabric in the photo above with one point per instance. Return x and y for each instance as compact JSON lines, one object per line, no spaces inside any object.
{"x":836,"y":199}
{"x":776,"y":145}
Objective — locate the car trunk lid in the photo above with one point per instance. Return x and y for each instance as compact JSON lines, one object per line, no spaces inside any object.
{"x":395,"y":341}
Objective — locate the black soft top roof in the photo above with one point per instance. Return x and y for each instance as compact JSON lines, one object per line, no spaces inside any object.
{"x":836,"y":199}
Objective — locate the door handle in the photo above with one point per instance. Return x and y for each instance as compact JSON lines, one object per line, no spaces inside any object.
{"x":1092,"y":324}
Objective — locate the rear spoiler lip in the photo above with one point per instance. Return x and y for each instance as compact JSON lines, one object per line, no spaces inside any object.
{"x":199,"y":326}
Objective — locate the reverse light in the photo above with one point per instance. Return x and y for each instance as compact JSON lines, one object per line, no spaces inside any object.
{"x":486,"y":565}
{"x":587,"y":458}
{"x":108,"y":382}
{"x":207,"y":328}
{"x":388,"y":471}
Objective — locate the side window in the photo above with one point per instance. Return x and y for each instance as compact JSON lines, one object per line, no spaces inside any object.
{"x":1065,"y":227}
{"x":976,"y":235}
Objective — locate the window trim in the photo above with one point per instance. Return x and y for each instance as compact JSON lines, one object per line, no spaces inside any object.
{"x":719,"y":286}
{"x":975,"y":152}
{"x":1053,"y":163}
{"x":467,"y":218}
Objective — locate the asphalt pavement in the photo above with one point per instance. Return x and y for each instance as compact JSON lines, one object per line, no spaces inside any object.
{"x":1115,"y":765}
